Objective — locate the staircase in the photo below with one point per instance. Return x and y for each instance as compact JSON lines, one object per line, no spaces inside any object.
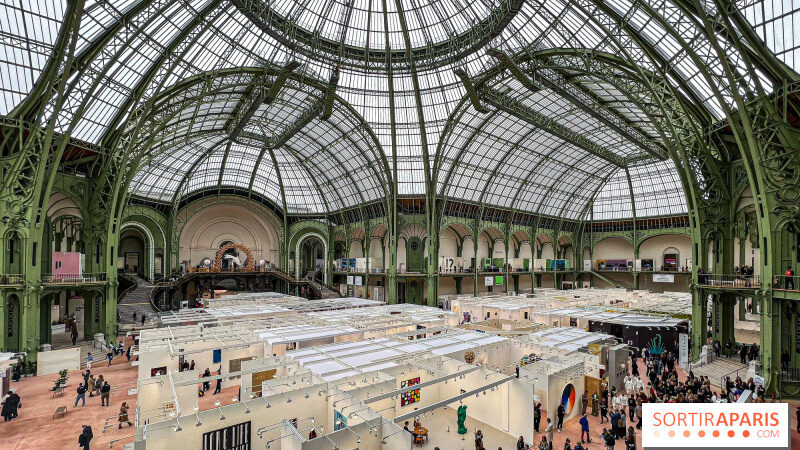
{"x":137,"y":300}
{"x":616,"y":284}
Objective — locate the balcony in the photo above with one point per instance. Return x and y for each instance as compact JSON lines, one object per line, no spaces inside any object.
{"x":729,"y":281}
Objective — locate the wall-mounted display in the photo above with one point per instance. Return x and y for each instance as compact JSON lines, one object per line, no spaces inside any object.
{"x":339,"y":421}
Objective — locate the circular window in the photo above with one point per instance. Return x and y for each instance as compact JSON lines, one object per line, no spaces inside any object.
{"x":414,"y":245}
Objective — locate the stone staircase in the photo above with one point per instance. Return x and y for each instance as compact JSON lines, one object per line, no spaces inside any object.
{"x":137,"y":301}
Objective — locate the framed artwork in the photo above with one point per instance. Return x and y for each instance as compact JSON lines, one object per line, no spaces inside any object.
{"x":409,"y":397}
{"x":409,"y":383}
{"x":155,"y":371}
{"x":217,"y":356}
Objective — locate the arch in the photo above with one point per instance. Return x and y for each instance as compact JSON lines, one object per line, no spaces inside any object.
{"x":324,"y":254}
{"x":250,"y":264}
{"x":151,"y":247}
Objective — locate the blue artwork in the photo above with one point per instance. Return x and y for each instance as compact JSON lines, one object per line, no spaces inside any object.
{"x":217,"y":356}
{"x":339,"y":421}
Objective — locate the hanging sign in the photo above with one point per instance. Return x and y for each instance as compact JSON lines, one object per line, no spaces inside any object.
{"x":683,"y":351}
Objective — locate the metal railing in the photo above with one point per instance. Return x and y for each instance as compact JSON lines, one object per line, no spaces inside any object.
{"x":786,"y":283}
{"x":70,"y":278}
{"x":790,"y":374}
{"x":16,"y":278}
{"x":729,"y":280}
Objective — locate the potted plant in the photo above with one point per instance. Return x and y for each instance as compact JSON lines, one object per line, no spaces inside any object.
{"x":63,"y":375}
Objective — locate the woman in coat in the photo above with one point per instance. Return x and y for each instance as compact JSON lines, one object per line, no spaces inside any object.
{"x":123,"y":415}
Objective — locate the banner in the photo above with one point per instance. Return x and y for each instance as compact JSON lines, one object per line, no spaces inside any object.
{"x":683,"y":351}
{"x":663,"y":278}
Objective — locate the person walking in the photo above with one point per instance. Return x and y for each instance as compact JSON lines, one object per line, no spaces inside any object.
{"x":98,"y":384}
{"x":543,"y":444}
{"x":144,"y":317}
{"x":74,"y":333}
{"x":85,"y":437}
{"x":89,"y":359}
{"x":128,"y":353}
{"x":134,"y":317}
{"x":123,"y":415}
{"x":105,"y":394}
{"x":537,"y":416}
{"x":585,"y":429}
{"x":191,"y":365}
{"x":218,"y":387}
{"x":608,"y":439}
{"x":110,"y":357}
{"x":630,"y":439}
{"x":81,"y":396}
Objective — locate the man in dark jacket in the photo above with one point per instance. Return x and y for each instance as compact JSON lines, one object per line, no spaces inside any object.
{"x":85,"y":437}
{"x":560,"y":414}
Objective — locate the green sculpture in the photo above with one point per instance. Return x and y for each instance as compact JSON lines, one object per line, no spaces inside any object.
{"x":462,"y":417}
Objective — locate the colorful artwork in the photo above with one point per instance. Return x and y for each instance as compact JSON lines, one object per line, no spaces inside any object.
{"x":409,"y":397}
{"x":409,"y":383}
{"x":339,"y":421}
{"x":568,"y":398}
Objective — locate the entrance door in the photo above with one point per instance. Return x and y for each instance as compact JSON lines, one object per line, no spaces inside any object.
{"x":415,"y":260}
{"x":414,"y":292}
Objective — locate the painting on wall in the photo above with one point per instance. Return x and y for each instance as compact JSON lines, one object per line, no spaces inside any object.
{"x":568,"y":398}
{"x":409,"y":383}
{"x":217,"y":356}
{"x":339,"y":421}
{"x":156,"y":371}
{"x":407,"y":398}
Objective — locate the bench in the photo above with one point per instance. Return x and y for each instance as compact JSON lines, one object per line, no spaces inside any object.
{"x":60,"y":411}
{"x":59,"y":391}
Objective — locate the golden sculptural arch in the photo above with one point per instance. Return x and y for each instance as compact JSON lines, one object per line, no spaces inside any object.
{"x":248,"y":264}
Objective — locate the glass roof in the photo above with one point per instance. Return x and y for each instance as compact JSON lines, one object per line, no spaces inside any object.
{"x":131,"y":52}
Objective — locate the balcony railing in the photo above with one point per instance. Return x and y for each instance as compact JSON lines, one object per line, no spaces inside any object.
{"x":787,"y":283}
{"x":12,"y":279}
{"x":70,"y":278}
{"x":735,"y":281}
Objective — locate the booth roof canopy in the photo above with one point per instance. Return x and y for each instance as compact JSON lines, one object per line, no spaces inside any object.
{"x":185,"y":82}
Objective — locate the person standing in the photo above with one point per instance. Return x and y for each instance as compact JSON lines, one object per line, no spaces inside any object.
{"x":595,"y":405}
{"x":537,"y":416}
{"x":81,"y":396}
{"x":584,"y":402}
{"x":608,"y":439}
{"x":110,"y":357}
{"x":123,"y":415}
{"x":206,"y":384}
{"x":86,"y":437}
{"x":789,"y":278}
{"x":521,"y":443}
{"x":89,"y":359}
{"x":91,"y":385}
{"x":560,"y":415}
{"x":98,"y":384}
{"x":144,"y":317}
{"x":585,"y":428}
{"x":105,"y":394}
{"x":603,"y":412}
{"x":128,"y":353}
{"x":631,"y":406}
{"x":134,"y":317}
{"x":549,"y":432}
{"x":478,"y":440}
{"x":191,"y":365}
{"x":74,"y":333}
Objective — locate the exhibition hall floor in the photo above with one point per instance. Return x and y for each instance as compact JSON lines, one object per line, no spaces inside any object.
{"x":35,"y":427}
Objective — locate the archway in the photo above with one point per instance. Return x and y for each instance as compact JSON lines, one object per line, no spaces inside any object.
{"x":149,"y":247}
{"x":249,"y":264}
{"x":299,"y":256}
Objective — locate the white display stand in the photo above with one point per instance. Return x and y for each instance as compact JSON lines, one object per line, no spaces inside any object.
{"x":54,"y":360}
